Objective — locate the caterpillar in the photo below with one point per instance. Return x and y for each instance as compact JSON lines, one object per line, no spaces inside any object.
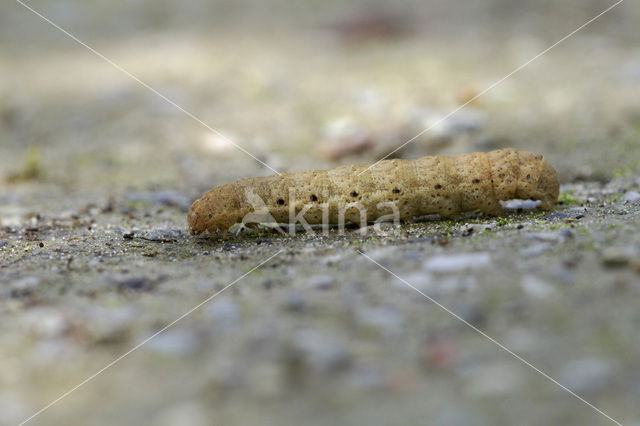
{"x":360,"y":194}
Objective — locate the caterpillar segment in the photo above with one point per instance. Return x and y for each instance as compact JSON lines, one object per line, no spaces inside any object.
{"x":360,"y":194}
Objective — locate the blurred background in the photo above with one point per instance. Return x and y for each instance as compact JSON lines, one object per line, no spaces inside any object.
{"x":88,"y":154}
{"x":308,"y":84}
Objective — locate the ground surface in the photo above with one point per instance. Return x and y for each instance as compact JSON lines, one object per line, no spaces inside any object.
{"x":98,"y":172}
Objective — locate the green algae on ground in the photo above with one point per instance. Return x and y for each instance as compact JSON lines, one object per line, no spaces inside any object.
{"x":566,"y":197}
{"x":32,"y":167}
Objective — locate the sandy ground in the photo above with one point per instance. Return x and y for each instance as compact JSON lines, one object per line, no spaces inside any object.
{"x":98,"y":172}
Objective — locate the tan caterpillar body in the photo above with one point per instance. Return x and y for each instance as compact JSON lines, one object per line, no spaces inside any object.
{"x":428,"y":185}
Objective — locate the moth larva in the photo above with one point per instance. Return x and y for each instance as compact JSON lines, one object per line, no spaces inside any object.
{"x":428,"y":185}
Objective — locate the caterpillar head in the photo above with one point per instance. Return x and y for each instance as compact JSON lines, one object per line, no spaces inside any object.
{"x":211,"y":212}
{"x":196,"y":218}
{"x":208,"y":213}
{"x":538,"y":180}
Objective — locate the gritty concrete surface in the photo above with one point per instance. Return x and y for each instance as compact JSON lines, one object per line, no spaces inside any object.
{"x":98,"y":173}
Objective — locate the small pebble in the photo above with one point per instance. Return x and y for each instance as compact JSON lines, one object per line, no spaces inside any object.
{"x":421,"y":240}
{"x":566,"y":234}
{"x":536,"y":287}
{"x":134,"y":283}
{"x":321,"y":352}
{"x":436,"y":288}
{"x":160,"y":235}
{"x":632,"y":196}
{"x":367,"y":378}
{"x":543,"y":236}
{"x":615,"y":257}
{"x":551,"y":236}
{"x":109,"y":325}
{"x":225,"y":314}
{"x":468,"y":120}
{"x":24,"y":286}
{"x":458,"y":262}
{"x":439,"y":353}
{"x":385,"y":319}
{"x":382,"y":254}
{"x":321,"y":282}
{"x":174,"y":343}
{"x":442,"y":240}
{"x":344,"y":137}
{"x":295,"y":302}
{"x":520,"y":204}
{"x":46,"y":322}
{"x":421,"y":280}
{"x":587,"y":374}
{"x":559,"y":215}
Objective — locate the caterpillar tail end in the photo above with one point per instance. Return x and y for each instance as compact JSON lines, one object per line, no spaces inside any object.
{"x":548,"y":185}
{"x":539,"y":181}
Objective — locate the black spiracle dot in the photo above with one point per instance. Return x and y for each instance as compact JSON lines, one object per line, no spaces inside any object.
{"x":438,"y":186}
{"x":210,"y":216}
{"x":314,"y":197}
{"x":528,"y":176}
{"x":475,"y":181}
{"x":280,"y":201}
{"x":354,"y":194}
{"x":395,"y":190}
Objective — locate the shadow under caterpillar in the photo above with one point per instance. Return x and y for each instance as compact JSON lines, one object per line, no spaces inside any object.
{"x":360,"y":194}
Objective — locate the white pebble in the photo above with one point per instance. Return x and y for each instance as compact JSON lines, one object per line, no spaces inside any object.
{"x":535,"y":287}
{"x":535,"y":250}
{"x":421,"y":280}
{"x":174,"y":343}
{"x":632,"y":196}
{"x":588,"y":374}
{"x":458,"y":262}
{"x":520,"y":204}
{"x":25,"y":284}
{"x":46,"y":322}
{"x":225,"y":314}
